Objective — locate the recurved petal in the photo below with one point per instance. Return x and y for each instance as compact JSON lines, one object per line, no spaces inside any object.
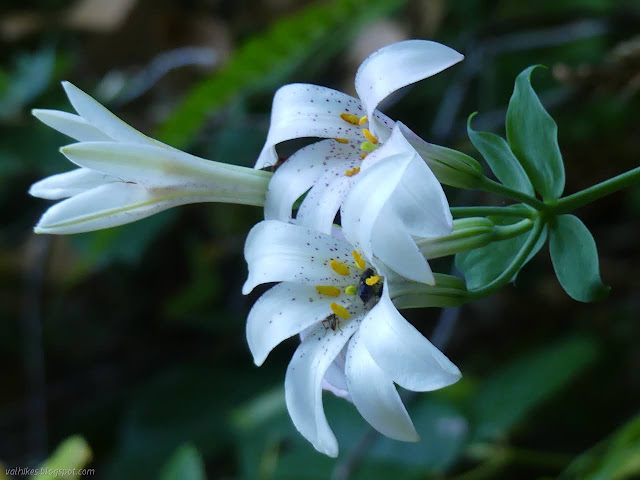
{"x":72,"y":125}
{"x":375,"y":396}
{"x":281,"y":252}
{"x":319,"y":208}
{"x":335,"y":380}
{"x":281,"y":312}
{"x":298,"y":174}
{"x":303,"y":384}
{"x":105,"y":121}
{"x":401,"y":351}
{"x":303,"y":110}
{"x":109,"y":205}
{"x":398,"y":65}
{"x":71,"y":183}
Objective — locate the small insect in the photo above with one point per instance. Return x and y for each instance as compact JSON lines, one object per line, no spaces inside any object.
{"x":331,"y":322}
{"x":368,"y":292}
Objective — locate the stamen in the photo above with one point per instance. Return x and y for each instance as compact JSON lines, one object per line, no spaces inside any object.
{"x":351,"y":290}
{"x":352,"y":172}
{"x":341,"y":140}
{"x":371,"y":281}
{"x":340,"y":311}
{"x":328,"y":290}
{"x":360,"y":263}
{"x":369,"y":136}
{"x":363,"y":120}
{"x":339,"y":267}
{"x":368,"y":147}
{"x":349,"y":118}
{"x":362,"y":157}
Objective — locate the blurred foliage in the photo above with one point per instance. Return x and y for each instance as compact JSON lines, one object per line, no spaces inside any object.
{"x":134,"y":337}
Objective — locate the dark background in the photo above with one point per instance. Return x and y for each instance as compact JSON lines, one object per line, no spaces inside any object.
{"x":133,"y":337}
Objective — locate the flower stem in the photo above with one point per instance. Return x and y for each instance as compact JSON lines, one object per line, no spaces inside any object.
{"x":509,"y":211}
{"x":506,"y":276}
{"x":489,"y":185}
{"x":595,"y":192}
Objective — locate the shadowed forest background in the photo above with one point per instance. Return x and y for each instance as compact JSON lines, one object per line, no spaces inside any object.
{"x":133,"y":337}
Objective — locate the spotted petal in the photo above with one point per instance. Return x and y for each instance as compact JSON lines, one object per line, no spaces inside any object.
{"x":71,"y":183}
{"x":303,"y":384}
{"x":281,"y":312}
{"x":402,"y":352}
{"x":299,"y":173}
{"x":374,"y":394}
{"x":280,"y":252}
{"x":302,"y":110}
{"x":398,"y":65}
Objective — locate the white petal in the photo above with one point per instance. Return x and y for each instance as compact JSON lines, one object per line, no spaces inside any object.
{"x":159,"y":167}
{"x":402,"y":352}
{"x":105,"y":121}
{"x":398,"y":65}
{"x":71,"y":183}
{"x":375,"y":396}
{"x":72,"y":125}
{"x":335,"y":380}
{"x":299,"y":173}
{"x":111,"y":205}
{"x":392,"y":244}
{"x":303,"y":110}
{"x":281,"y":252}
{"x":281,"y":312}
{"x":303,"y":384}
{"x":319,"y":208}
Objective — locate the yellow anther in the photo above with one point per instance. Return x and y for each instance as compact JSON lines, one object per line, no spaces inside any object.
{"x":350,"y":290}
{"x":352,"y":172}
{"x":328,"y":290}
{"x":360,"y":263}
{"x":362,"y":157}
{"x":340,"y":311}
{"x":349,"y":118}
{"x":369,"y":136}
{"x":341,"y":140}
{"x":371,"y":281}
{"x":363,"y":120}
{"x":339,"y":267}
{"x":368,"y":147}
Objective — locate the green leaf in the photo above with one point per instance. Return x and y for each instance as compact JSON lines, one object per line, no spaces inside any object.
{"x":575,"y":259}
{"x":533,"y":138}
{"x":268,"y":58}
{"x":616,"y":458}
{"x":483,"y":265}
{"x":73,"y":453}
{"x":184,"y":464}
{"x":510,"y":394}
{"x":500,"y":158}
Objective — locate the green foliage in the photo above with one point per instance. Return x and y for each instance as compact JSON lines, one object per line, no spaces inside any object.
{"x":74,"y":452}
{"x":533,"y":137}
{"x":575,"y":259}
{"x":184,"y":464}
{"x":500,"y":158}
{"x":483,"y":265}
{"x":616,"y":458}
{"x":269,"y":57}
{"x":511,"y":393}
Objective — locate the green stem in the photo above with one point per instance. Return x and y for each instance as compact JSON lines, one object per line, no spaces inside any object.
{"x":591,"y":194}
{"x":510,"y":211}
{"x":489,"y":185}
{"x":506,"y":276}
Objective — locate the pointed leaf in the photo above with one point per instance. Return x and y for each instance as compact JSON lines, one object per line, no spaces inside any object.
{"x":533,"y":138}
{"x":500,"y":158}
{"x":575,"y":259}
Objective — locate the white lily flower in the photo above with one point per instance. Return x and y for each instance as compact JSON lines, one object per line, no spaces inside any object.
{"x":355,"y":343}
{"x":353,"y":128}
{"x":125,"y":176}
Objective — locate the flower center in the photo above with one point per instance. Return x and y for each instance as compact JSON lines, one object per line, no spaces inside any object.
{"x":367,"y":290}
{"x":367,"y":146}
